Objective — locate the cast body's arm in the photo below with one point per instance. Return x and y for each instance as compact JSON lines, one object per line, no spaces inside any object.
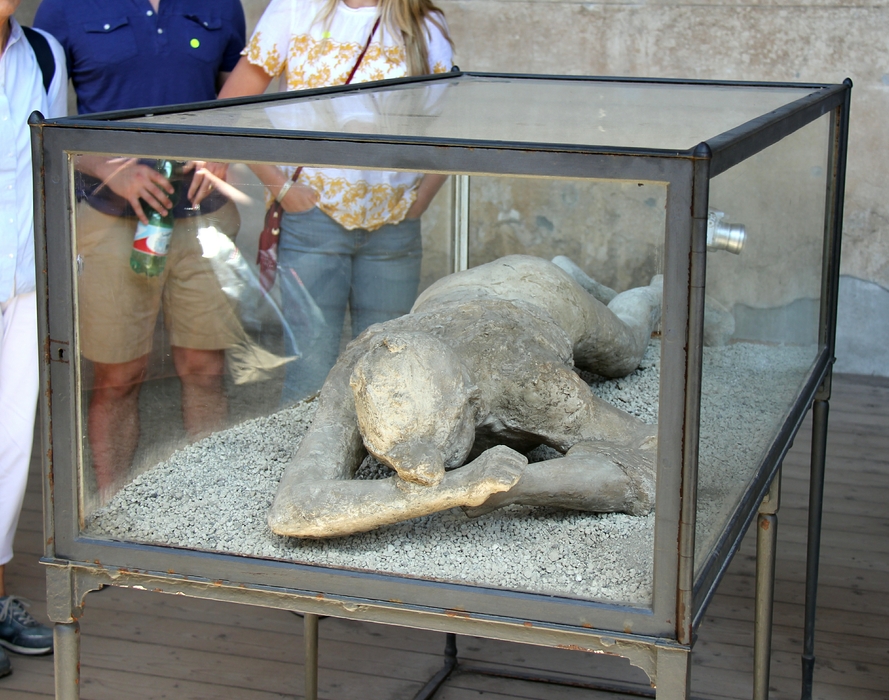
{"x":596,"y":476}
{"x":332,"y":508}
{"x":318,"y":496}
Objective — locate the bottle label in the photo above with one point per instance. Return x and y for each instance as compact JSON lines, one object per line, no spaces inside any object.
{"x":152,"y":239}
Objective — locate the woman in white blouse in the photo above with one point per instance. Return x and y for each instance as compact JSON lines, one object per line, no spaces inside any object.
{"x":348,"y":237}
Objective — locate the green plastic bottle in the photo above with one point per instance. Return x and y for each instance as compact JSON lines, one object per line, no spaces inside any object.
{"x":152,"y":240}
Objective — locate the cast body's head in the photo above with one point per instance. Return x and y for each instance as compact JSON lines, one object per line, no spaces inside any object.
{"x":415,"y":405}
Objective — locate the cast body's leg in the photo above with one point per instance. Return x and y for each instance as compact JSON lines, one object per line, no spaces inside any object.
{"x":385,"y":274}
{"x":620,"y":333}
{"x":18,"y":404}
{"x":315,"y":273}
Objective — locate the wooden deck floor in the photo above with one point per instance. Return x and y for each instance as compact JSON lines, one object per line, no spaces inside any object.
{"x":142,"y":645}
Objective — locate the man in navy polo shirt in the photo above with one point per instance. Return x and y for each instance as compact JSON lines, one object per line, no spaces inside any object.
{"x":124,"y":54}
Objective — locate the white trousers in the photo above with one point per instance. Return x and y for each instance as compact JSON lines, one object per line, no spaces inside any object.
{"x":19,"y":382}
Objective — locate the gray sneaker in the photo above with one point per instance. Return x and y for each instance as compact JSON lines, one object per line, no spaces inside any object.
{"x":5,"y":666}
{"x":21,"y":633}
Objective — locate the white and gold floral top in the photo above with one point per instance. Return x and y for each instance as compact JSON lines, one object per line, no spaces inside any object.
{"x":305,"y":53}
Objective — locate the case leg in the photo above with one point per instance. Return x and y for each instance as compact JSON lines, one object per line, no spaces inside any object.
{"x":310,"y":636}
{"x":450,"y":664}
{"x":820,"y":411}
{"x":673,"y":672}
{"x":66,"y":639}
{"x":766,"y":545}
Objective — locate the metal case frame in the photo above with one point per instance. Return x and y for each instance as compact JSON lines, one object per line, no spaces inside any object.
{"x":658,"y":638}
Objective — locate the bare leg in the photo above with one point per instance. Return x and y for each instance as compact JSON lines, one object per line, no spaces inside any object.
{"x":114,"y":420}
{"x":204,"y":403}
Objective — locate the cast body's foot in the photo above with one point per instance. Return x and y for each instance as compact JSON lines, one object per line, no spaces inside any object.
{"x":19,"y":631}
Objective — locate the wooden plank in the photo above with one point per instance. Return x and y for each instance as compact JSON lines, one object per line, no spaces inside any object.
{"x":844,"y":645}
{"x":206,"y":668}
{"x":474,"y":685}
{"x":32,"y":677}
{"x":828,"y":621}
{"x":832,"y":670}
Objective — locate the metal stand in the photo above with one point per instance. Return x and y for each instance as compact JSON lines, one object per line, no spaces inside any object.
{"x":766,"y":541}
{"x":450,"y":664}
{"x":310,"y":639}
{"x":670,"y":670}
{"x":673,"y":668}
{"x":66,"y":660}
{"x":816,"y":500}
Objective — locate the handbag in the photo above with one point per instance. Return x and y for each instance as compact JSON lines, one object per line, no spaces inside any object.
{"x":267,"y":255}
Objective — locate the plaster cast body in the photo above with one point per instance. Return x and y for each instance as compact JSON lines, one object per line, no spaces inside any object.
{"x":481,"y":369}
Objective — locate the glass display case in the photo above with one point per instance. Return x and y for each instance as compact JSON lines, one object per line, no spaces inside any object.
{"x":179,"y":386}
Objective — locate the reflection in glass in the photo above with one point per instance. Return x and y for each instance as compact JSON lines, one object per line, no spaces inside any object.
{"x":137,"y":256}
{"x":177,"y":337}
{"x":773,"y":290}
{"x":614,"y":231}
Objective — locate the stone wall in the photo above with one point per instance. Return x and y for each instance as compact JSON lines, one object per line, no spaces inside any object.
{"x":774,"y":40}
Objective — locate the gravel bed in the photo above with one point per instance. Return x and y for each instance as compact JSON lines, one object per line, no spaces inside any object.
{"x":213,"y":495}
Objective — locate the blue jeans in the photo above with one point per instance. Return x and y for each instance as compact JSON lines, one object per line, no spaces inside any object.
{"x":322,"y":267}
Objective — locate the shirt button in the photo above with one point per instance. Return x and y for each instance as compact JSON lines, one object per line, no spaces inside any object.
{"x":160,"y":30}
{"x":106,"y":27}
{"x":149,"y":13}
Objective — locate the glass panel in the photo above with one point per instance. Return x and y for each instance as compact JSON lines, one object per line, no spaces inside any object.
{"x":576,"y":112}
{"x":764,"y":304}
{"x":186,"y":432}
{"x":612,"y":230}
{"x":182,"y":343}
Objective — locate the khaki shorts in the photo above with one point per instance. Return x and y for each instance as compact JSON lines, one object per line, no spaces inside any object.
{"x":118,"y":308}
